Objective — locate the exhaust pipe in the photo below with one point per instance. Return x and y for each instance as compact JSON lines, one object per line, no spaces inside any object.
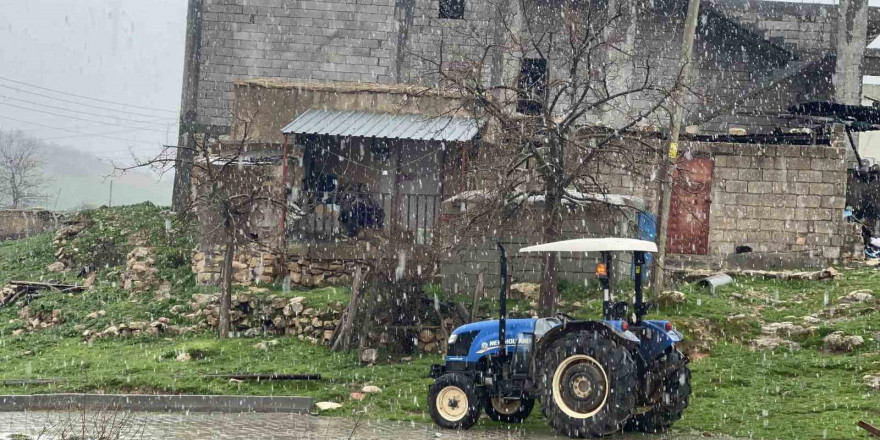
{"x":502,"y":319}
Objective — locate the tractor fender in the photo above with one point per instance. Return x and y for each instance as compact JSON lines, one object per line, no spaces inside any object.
{"x":610,"y":329}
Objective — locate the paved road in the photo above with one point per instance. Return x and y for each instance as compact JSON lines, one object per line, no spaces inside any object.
{"x":152,"y":426}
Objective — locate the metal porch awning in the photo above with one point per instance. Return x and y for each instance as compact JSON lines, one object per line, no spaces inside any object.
{"x":383,"y":125}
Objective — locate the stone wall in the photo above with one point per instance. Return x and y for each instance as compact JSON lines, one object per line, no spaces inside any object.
{"x":253,"y":267}
{"x":23,"y":223}
{"x":254,"y":314}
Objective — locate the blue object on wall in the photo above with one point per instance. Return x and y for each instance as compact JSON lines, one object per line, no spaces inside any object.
{"x":647,"y":231}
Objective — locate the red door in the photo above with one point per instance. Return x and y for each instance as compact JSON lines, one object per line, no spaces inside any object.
{"x":688,"y":231}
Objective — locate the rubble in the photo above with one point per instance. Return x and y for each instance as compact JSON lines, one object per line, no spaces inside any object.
{"x":783,"y":329}
{"x":369,"y":356}
{"x":670,"y":297}
{"x":529,"y":291}
{"x":841,"y":342}
{"x":872,"y":381}
{"x":771,"y":342}
{"x":858,"y":296}
{"x":56,"y":267}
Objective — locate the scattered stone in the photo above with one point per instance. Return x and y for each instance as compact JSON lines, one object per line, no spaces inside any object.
{"x":56,"y":267}
{"x":427,"y":336}
{"x":841,"y":342}
{"x":326,"y":406}
{"x":872,"y":381}
{"x":358,"y":396}
{"x":261,"y":346}
{"x":91,"y":280}
{"x":671,"y":297}
{"x":369,"y":356}
{"x":772,"y":342}
{"x":783,"y":329}
{"x":17,"y":332}
{"x":858,"y":296}
{"x":740,"y":317}
{"x":184,"y":357}
{"x":369,"y":389}
{"x":406,"y":359}
{"x":530,"y":291}
{"x":812,"y":320}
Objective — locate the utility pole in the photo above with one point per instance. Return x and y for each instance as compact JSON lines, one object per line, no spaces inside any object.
{"x":666,"y":163}
{"x":110,"y":200}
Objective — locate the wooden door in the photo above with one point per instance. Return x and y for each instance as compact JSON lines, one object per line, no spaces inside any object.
{"x":688,"y":231}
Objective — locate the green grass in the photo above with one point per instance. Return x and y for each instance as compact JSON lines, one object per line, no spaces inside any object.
{"x":779,"y":394}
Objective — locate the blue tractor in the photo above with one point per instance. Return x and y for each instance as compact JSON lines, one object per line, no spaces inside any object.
{"x":593,"y":378}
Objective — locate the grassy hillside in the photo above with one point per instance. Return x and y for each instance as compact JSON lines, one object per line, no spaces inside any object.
{"x":770,"y":394}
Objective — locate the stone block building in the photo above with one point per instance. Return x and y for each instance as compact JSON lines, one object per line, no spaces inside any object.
{"x":271,"y":62}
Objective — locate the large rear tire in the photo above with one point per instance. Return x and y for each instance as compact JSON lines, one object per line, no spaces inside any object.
{"x":455,"y":401}
{"x":588,"y":385}
{"x":674,"y":398}
{"x":508,"y":411}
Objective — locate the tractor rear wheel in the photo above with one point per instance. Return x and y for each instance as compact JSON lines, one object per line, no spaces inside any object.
{"x":455,"y":401}
{"x":674,"y":398}
{"x":508,"y":410}
{"x":587,"y":383}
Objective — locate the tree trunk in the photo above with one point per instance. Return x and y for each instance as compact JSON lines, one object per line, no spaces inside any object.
{"x":226,"y":287}
{"x":342,"y":337}
{"x":549,"y":290}
{"x":478,"y":293}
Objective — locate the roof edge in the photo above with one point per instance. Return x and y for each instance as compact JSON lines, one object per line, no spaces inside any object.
{"x":347,"y":87}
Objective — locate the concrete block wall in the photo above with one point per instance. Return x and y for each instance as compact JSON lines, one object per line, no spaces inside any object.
{"x":478,"y":253}
{"x":777,"y":199}
{"x":807,"y":28}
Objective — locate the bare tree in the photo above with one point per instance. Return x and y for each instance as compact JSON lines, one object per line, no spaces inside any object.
{"x":562,"y":92}
{"x":21,"y":170}
{"x":226,"y":192}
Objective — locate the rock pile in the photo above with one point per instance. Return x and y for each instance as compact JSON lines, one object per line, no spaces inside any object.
{"x":39,"y":320}
{"x":159,"y":327}
{"x":140,"y":273}
{"x":70,"y":229}
{"x":428,"y":341}
{"x":841,"y":342}
{"x":254,"y":315}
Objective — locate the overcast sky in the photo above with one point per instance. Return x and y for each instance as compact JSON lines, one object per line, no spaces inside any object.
{"x":124,"y":51}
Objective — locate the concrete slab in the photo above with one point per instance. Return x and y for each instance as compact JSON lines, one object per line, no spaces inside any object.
{"x":157,"y":403}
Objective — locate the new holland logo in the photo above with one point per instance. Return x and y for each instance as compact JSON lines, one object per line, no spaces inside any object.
{"x":486,"y":346}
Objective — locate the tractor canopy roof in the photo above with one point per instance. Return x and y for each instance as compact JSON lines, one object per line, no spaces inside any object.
{"x":595,"y":245}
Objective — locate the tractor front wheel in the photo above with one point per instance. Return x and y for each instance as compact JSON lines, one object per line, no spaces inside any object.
{"x":455,"y":401}
{"x":508,"y":410}
{"x":587,"y":385}
{"x":675,"y":394}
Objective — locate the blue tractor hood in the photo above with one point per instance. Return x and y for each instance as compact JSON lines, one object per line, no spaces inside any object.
{"x":473,"y":341}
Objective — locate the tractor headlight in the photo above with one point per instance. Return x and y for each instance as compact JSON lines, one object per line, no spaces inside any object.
{"x":452,"y":339}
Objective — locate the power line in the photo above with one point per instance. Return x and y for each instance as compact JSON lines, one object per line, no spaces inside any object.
{"x":85,"y":105}
{"x":87,"y":97}
{"x":135,"y":121}
{"x":78,"y":132}
{"x":81,"y":119}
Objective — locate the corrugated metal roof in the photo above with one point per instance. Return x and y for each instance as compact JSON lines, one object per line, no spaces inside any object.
{"x":383,"y":125}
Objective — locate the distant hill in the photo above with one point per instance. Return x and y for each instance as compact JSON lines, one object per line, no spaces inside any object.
{"x":78,"y":179}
